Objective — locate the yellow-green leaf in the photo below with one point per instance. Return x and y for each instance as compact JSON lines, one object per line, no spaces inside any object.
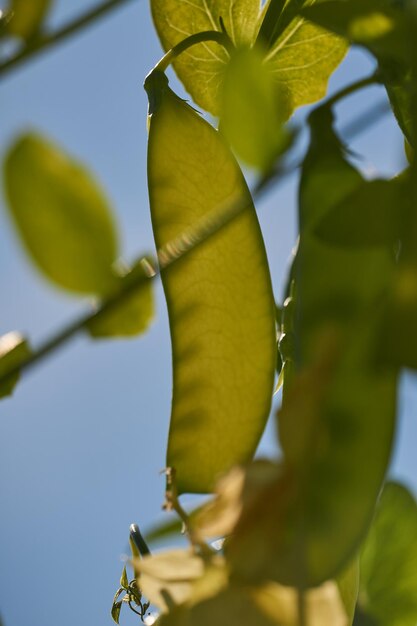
{"x":219,"y":298}
{"x":27,"y":17}
{"x":253,"y":110}
{"x":61,"y":215}
{"x":200,"y":68}
{"x":13,"y":350}
{"x":388,"y":581}
{"x":302,"y":60}
{"x":134,"y":313}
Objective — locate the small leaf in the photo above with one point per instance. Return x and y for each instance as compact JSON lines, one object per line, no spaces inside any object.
{"x":133,"y":315}
{"x":27,"y":17}
{"x":388,"y":581}
{"x":219,"y":297}
{"x":61,"y":215}
{"x":253,"y":110}
{"x":167,"y":578}
{"x":115,"y":611}
{"x":13,"y":350}
{"x":124,"y":582}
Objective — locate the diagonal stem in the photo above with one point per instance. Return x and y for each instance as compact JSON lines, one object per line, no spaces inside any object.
{"x":49,"y":40}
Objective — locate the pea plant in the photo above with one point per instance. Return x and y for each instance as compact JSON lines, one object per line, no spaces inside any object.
{"x":319,"y":536}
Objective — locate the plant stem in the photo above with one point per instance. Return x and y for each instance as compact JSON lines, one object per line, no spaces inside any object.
{"x":50,"y":40}
{"x":301,"y":602}
{"x":208,"y":35}
{"x":373,"y":79}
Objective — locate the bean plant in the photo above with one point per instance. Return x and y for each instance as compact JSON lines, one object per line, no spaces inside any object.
{"x":317,"y":536}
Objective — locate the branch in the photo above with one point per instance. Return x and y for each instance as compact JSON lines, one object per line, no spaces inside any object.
{"x":50,"y":40}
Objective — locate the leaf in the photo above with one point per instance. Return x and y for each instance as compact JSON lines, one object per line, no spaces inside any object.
{"x":115,"y":611}
{"x":388,"y":582}
{"x":133,"y":315}
{"x":302,"y":59}
{"x":13,"y":350}
{"x":348,"y":585}
{"x":253,"y":110}
{"x":167,"y":578}
{"x":200,"y":68}
{"x":336,"y":402}
{"x":266,"y":605}
{"x":383,"y":28}
{"x":61,"y":215}
{"x":380,"y":25}
{"x":124,"y":582}
{"x":370,"y":216}
{"x":219,"y":298}
{"x":27,"y":17}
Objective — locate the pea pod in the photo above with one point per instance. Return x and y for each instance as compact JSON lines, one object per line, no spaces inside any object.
{"x":219,"y":297}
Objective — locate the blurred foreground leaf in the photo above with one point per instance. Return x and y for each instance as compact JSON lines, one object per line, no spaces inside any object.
{"x":253,"y":110}
{"x":388,"y":581}
{"x":27,"y":17}
{"x":61,"y":215}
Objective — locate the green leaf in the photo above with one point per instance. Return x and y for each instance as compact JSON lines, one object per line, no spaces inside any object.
{"x":27,"y":17}
{"x":268,"y":605}
{"x":382,"y":27}
{"x":200,"y":68}
{"x":388,"y":581}
{"x":219,"y":297}
{"x":134,"y":313}
{"x":124,"y":582}
{"x":348,"y":585}
{"x":370,"y":216}
{"x":61,"y":215}
{"x":115,"y":611}
{"x":253,"y":110}
{"x":379,"y":25}
{"x":13,"y":350}
{"x":302,"y":60}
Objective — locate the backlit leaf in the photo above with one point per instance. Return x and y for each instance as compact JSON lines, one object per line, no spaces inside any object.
{"x":388,"y":581}
{"x":253,"y":110}
{"x":27,"y":17}
{"x":219,"y":298}
{"x":61,"y":215}
{"x":200,"y":68}
{"x":302,"y":60}
{"x":13,"y":350}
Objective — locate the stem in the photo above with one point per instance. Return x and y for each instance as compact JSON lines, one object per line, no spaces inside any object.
{"x":373,"y":79}
{"x":208,"y":35}
{"x":172,"y":503}
{"x":301,"y":603}
{"x":48,"y":41}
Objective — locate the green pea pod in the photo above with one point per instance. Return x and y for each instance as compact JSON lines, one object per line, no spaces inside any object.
{"x":219,"y":297}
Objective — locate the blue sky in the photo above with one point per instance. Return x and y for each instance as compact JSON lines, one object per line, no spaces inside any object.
{"x":83,"y":439}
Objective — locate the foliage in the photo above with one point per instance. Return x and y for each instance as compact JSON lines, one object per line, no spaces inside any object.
{"x":317,"y":536}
